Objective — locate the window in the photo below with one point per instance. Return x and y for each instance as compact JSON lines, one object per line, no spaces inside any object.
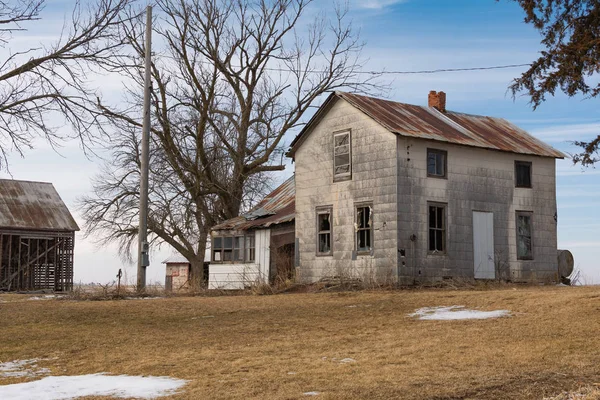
{"x":523,"y":174}
{"x":342,"y":157}
{"x":436,"y":163}
{"x":364,"y":228}
{"x":250,"y":250}
{"x":238,"y":248}
{"x":324,"y":232}
{"x":217,"y":248}
{"x":524,"y":242}
{"x":233,"y":248}
{"x":437,"y":228}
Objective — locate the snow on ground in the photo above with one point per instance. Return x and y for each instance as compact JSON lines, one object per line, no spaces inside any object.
{"x":72,"y":387}
{"x":46,"y":297}
{"x":455,"y":313}
{"x":22,"y":369}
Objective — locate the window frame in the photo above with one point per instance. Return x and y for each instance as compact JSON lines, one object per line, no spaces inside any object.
{"x":357,"y":230}
{"x":530,"y":215}
{"x":247,"y":248}
{"x":242,"y":249}
{"x":443,"y":153}
{"x":320,"y":211}
{"x":530,"y":165}
{"x":346,"y":175}
{"x":444,"y":230}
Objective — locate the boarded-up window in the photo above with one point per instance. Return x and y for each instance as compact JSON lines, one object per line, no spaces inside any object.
{"x":342,"y":155}
{"x":523,"y":174}
{"x":324,"y":231}
{"x":436,"y":163}
{"x":364,"y":228}
{"x":250,"y":249}
{"x":437,"y":228}
{"x":524,"y":236}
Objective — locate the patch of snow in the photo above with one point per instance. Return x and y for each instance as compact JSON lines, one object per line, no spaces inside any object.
{"x":311,"y":393}
{"x":143,"y":298}
{"x":291,"y":373}
{"x":45,"y":297}
{"x":72,"y":387}
{"x":347,"y":360}
{"x":455,"y":313}
{"x":22,"y":369}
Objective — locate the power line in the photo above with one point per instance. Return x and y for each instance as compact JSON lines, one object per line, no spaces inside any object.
{"x":425,"y":71}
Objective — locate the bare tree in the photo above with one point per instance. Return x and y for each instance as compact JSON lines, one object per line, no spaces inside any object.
{"x":232,"y":78}
{"x":38,"y":83}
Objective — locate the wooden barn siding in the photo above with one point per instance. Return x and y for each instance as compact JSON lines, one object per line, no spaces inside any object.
{"x":373,"y":180}
{"x":480,"y":180}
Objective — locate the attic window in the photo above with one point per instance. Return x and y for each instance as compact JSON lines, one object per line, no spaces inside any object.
{"x":523,"y":174}
{"x":342,"y":156}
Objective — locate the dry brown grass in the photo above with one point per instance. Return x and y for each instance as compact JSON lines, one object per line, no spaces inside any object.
{"x":278,"y":347}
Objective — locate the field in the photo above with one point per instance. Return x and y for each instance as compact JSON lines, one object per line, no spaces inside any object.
{"x":285,"y":346}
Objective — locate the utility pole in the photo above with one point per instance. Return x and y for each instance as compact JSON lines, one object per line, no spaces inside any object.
{"x":143,"y":257}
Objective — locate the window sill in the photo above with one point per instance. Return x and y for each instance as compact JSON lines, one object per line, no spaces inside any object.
{"x":438,"y":176}
{"x":342,"y":178}
{"x":324,"y":254}
{"x":437,"y":254}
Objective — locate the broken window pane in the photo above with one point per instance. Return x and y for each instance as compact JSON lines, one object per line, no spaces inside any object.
{"x":342,"y":159}
{"x":363,"y":229}
{"x":324,"y":232}
{"x":524,"y":243}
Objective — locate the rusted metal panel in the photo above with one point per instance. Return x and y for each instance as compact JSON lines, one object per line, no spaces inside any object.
{"x":278,"y":207}
{"x":33,"y":205}
{"x":451,"y":127}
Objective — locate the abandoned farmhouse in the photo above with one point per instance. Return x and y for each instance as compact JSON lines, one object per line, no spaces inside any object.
{"x":37,"y":235}
{"x":387,"y":191}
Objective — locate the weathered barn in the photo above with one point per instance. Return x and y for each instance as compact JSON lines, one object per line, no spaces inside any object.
{"x":37,"y":236}
{"x":396,"y":192}
{"x":256,"y":247}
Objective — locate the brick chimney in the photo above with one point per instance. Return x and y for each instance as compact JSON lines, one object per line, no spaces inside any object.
{"x":437,"y":100}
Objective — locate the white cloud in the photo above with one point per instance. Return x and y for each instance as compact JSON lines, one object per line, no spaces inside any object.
{"x":377,"y":4}
{"x":564,"y":133}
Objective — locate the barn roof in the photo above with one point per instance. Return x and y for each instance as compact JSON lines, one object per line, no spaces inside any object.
{"x":33,"y":206}
{"x":278,"y":207}
{"x":429,"y":123}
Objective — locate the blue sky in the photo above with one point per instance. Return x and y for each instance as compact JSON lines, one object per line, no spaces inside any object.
{"x":400,"y":35}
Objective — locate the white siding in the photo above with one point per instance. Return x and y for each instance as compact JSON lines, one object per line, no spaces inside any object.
{"x":240,"y":276}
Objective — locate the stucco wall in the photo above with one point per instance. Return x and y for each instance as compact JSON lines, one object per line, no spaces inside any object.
{"x":374,"y":179}
{"x":480,"y":180}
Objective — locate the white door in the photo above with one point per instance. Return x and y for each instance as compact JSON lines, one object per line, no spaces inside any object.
{"x":483,"y":245}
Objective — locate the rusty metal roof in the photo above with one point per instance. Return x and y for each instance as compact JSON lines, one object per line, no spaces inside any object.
{"x":278,"y":207}
{"x":33,"y":206}
{"x":429,"y":123}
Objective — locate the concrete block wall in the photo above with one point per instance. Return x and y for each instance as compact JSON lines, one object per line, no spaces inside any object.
{"x":374,"y":169}
{"x":477,"y":180}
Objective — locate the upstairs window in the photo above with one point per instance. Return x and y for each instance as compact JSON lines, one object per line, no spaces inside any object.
{"x":436,"y":163}
{"x":523,"y":174}
{"x":342,"y":157}
{"x":364,"y":228}
{"x":524,"y":236}
{"x":324,"y":232}
{"x":437,"y":228}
